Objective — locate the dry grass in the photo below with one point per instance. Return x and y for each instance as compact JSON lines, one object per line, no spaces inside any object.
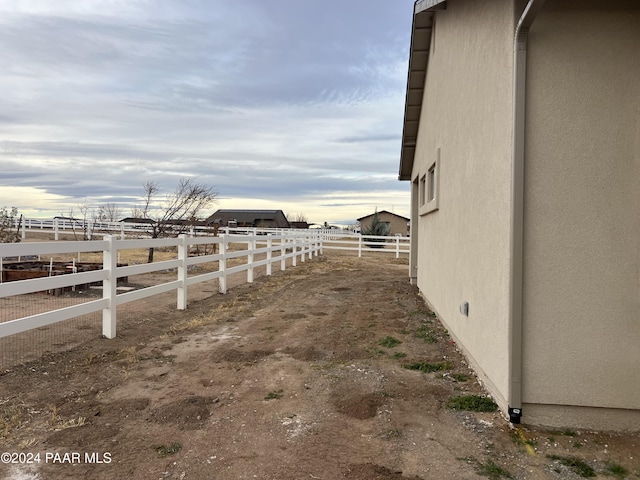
{"x":129,"y":353}
{"x":57,"y":423}
{"x":189,"y":324}
{"x":14,"y":413}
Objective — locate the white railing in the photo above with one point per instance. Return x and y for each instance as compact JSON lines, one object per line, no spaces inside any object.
{"x":89,"y":229}
{"x":335,"y":239}
{"x":274,"y":249}
{"x":339,"y":239}
{"x":370,"y":243}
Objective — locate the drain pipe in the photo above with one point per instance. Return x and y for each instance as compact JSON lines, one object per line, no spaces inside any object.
{"x":517,"y":207}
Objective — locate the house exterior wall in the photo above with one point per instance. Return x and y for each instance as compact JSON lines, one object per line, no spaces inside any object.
{"x":397,"y":224}
{"x":462,"y":246}
{"x":581,"y":332}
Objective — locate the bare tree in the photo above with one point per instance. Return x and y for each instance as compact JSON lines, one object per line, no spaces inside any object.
{"x":178,"y":212}
{"x":90,"y":217}
{"x":109,"y":212}
{"x":298,"y":217}
{"x":82,"y":222}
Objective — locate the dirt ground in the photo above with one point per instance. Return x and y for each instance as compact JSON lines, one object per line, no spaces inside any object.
{"x":297,"y":376}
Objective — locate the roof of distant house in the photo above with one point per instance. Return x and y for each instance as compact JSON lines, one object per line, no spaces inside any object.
{"x":383,"y":211}
{"x":137,"y":220}
{"x":245,"y":216}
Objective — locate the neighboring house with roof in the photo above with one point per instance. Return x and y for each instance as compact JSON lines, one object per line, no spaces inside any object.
{"x":137,"y":220}
{"x":526,"y":221}
{"x":398,"y":225}
{"x":249,"y":219}
{"x":300,"y":224}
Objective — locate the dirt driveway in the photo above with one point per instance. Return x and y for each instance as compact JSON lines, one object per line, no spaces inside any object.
{"x":298,"y":376}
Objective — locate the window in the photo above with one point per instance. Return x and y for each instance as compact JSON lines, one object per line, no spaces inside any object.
{"x":429,"y":187}
{"x":431,"y":183}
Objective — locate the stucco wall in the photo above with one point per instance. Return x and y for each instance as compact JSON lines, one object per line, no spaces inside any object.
{"x":463,"y":246}
{"x":397,"y":224}
{"x":582,"y":212}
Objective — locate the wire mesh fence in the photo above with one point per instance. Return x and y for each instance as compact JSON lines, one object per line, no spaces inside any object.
{"x":32,"y":345}
{"x":241,"y":252}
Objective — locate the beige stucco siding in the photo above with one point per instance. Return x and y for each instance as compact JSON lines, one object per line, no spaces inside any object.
{"x":463,"y":247}
{"x":582,"y":208}
{"x":397,"y":224}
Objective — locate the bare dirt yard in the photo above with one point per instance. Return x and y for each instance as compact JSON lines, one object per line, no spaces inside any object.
{"x":331,"y":370}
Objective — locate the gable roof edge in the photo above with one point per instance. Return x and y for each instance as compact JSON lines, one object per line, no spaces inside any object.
{"x":422,"y":25}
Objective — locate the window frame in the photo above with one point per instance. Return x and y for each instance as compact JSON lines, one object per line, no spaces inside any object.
{"x":430,"y":187}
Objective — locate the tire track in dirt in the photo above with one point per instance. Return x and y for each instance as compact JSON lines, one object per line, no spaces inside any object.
{"x":288,"y":378}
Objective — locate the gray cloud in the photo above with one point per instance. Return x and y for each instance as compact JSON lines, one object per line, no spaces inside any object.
{"x":268,"y":100}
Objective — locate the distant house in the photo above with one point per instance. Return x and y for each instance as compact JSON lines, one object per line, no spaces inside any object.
{"x":301,"y":225}
{"x":137,"y":220}
{"x":521,"y":146}
{"x":249,"y":219}
{"x":398,"y":225}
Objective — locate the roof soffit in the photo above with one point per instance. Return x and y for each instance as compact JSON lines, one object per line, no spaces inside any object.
{"x":418,"y":60}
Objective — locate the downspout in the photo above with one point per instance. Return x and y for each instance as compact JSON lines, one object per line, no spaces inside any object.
{"x":517,"y":207}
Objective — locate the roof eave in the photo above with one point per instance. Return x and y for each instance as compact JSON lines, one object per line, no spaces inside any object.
{"x":418,"y":60}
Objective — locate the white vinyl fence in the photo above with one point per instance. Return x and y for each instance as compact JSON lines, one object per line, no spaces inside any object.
{"x":61,"y":310}
{"x":332,"y":238}
{"x":87,"y":229}
{"x":270,"y":248}
{"x":369,"y":243}
{"x":335,"y":239}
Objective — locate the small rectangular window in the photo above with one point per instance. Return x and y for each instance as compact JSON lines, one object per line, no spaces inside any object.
{"x":430,"y":186}
{"x":431,"y":183}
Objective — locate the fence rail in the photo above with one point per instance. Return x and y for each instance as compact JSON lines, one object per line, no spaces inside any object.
{"x":235,"y":251}
{"x":277,"y":248}
{"x":88,"y":229}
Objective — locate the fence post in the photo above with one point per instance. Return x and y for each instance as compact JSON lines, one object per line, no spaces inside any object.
{"x":269,"y":253}
{"x":309,"y":239}
{"x":55,"y":229}
{"x":222,"y":265}
{"x":294,"y":243}
{"x":397,"y":247}
{"x":360,"y":246}
{"x":283,"y":252}
{"x":183,"y":255}
{"x":109,"y":287}
{"x":251,"y":244}
{"x":303,"y":244}
{"x":122,"y":230}
{"x":24,"y":231}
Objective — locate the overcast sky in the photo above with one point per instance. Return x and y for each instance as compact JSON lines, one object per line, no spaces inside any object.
{"x":279,"y":104}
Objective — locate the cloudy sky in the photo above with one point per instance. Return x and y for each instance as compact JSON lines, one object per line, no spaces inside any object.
{"x":278,"y":104}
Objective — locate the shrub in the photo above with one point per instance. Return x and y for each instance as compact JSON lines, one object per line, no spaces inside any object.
{"x":472,"y":403}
